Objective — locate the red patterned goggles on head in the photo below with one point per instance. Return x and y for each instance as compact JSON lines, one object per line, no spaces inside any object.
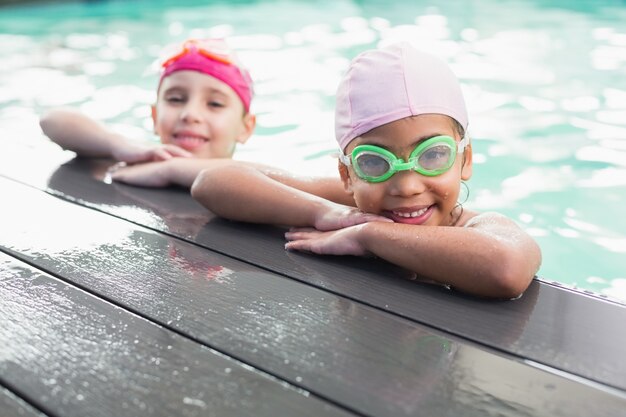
{"x":212,"y":57}
{"x":215,"y":49}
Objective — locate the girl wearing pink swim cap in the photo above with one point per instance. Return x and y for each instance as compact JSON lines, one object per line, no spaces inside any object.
{"x":202,"y":111}
{"x":401,"y":125}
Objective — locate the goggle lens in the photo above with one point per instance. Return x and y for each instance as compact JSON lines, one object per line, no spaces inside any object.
{"x":372,"y":164}
{"x":436,"y":157}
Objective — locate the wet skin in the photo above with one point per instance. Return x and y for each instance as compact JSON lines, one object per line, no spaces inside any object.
{"x":408,"y":197}
{"x":201,"y":114}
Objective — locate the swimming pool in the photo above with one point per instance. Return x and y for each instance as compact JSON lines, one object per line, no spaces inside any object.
{"x":545,"y":83}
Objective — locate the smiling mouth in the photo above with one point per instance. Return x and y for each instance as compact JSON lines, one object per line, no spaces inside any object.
{"x":415,"y":217}
{"x":189,"y":142}
{"x":411,"y":214}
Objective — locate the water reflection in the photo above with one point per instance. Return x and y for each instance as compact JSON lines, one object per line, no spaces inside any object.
{"x":173,"y":212}
{"x":46,"y":236}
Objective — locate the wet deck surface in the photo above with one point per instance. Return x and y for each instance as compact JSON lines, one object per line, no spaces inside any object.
{"x":122,"y":301}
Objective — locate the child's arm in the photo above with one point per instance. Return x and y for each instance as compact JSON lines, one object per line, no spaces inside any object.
{"x":76,"y":132}
{"x":491,"y":256}
{"x":260,"y":194}
{"x":174,"y":171}
{"x":183,"y":172}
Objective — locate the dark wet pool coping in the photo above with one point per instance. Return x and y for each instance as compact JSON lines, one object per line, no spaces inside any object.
{"x":339,"y":335}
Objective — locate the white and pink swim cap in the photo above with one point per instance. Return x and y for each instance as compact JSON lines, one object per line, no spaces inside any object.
{"x":389,"y":84}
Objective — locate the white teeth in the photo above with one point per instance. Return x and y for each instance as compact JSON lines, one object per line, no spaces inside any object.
{"x":411,"y":214}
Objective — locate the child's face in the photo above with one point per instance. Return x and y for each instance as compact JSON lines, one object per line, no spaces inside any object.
{"x":201,"y":114}
{"x":409,"y":197}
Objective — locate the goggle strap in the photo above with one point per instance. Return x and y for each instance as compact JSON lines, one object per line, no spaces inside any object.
{"x":345,"y":159}
{"x":463,"y":143}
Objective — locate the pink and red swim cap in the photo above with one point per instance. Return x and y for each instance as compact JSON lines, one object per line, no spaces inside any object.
{"x":212,"y":57}
{"x":389,"y":84}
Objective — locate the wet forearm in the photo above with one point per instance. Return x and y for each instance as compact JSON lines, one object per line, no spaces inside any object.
{"x":325,"y":187}
{"x":464,"y":258}
{"x":76,"y":132}
{"x":183,"y":171}
{"x":244,"y":193}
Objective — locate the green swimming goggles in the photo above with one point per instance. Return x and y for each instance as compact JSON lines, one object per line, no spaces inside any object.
{"x":432,"y":157}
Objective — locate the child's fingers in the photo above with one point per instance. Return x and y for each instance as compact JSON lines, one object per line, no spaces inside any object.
{"x":293,"y":245}
{"x":319,"y":247}
{"x":116,"y":167}
{"x":124,"y":174}
{"x":302,"y":229}
{"x":119,"y":167}
{"x":119,"y":175}
{"x":361,"y":218}
{"x":301,"y":245}
{"x":177,"y":151}
{"x":300,"y":235}
{"x":142,"y":175}
{"x":160,"y":154}
{"x":344,"y":242}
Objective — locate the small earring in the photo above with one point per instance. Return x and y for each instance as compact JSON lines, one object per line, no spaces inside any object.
{"x":467,"y":192}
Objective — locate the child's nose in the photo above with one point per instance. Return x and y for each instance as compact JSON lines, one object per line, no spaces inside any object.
{"x":407,"y":183}
{"x":191,"y":112}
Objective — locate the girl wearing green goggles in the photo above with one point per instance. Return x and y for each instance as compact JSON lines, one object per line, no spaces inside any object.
{"x":388,"y":99}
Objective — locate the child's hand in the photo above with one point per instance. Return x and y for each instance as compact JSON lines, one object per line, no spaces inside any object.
{"x":339,"y":217}
{"x":151,"y":174}
{"x":336,"y":242}
{"x":133,"y":153}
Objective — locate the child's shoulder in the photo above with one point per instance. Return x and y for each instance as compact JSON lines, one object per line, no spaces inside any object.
{"x":471,"y":218}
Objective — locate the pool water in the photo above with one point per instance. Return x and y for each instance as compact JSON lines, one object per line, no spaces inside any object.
{"x":545,"y":83}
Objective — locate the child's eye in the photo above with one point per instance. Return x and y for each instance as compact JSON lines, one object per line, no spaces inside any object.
{"x":175,"y":99}
{"x":215,"y":103}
